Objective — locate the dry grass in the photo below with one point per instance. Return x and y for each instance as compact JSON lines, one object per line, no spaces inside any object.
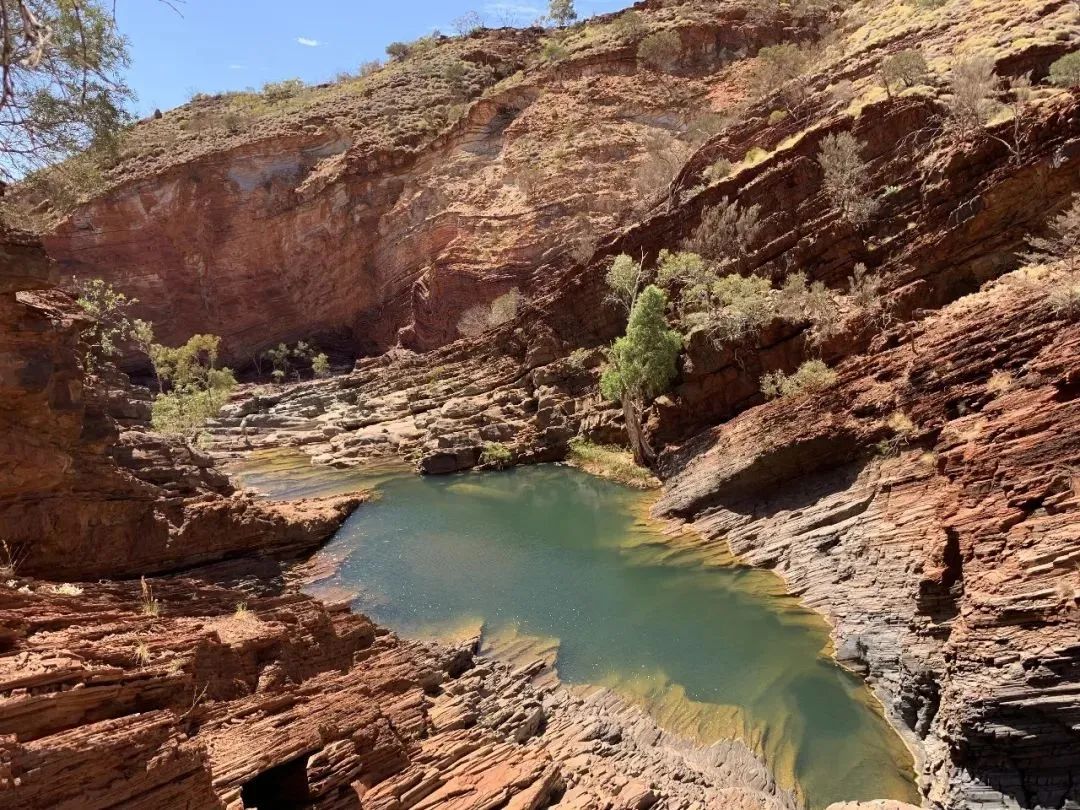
{"x":608,"y":461}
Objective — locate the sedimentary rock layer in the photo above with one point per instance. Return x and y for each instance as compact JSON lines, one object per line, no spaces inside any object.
{"x":928,"y":504}
{"x":216,"y":698}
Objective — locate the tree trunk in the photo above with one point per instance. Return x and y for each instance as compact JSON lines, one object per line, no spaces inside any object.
{"x":643,"y":453}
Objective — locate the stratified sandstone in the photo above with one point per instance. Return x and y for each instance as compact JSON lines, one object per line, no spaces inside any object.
{"x":222,"y":699}
{"x":947,"y":557}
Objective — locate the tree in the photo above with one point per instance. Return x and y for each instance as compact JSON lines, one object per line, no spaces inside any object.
{"x":661,"y":50}
{"x":846,"y":179}
{"x":973,"y":83}
{"x":320,"y":365}
{"x":727,"y":233}
{"x":641,"y":365}
{"x":624,"y":278}
{"x":1065,"y":72}
{"x":197,"y":387}
{"x":479,"y":318}
{"x":467,"y":23}
{"x":562,"y":12}
{"x":778,"y":66}
{"x":110,"y":325}
{"x":60,"y":85}
{"x":907,"y":67}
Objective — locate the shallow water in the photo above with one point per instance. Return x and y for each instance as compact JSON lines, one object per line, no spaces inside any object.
{"x":711,"y":648}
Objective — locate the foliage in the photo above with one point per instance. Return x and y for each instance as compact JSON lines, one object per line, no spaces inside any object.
{"x":467,"y":23}
{"x":320,"y":365}
{"x":398,"y":51}
{"x":661,"y":50}
{"x":1065,"y":72}
{"x":1062,"y":240}
{"x":744,"y":305}
{"x":562,"y":12}
{"x":496,"y":454}
{"x":776,"y":116}
{"x":864,"y":287}
{"x":971,"y":105}
{"x":664,"y":158}
{"x":283,"y":90}
{"x":111,"y":322}
{"x":642,"y":362}
{"x":479,"y":318}
{"x":623,"y":279}
{"x":1064,"y":296}
{"x":197,"y":387}
{"x":628,"y":25}
{"x":907,"y":68}
{"x":61,"y":89}
{"x":727,"y":233}
{"x":799,"y":301}
{"x":846,"y":178}
{"x":609,"y":461}
{"x":811,"y":376}
{"x":720,"y":169}
{"x":553,"y":50}
{"x":779,"y":66}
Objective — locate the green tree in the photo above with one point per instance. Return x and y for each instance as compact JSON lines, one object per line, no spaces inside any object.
{"x":642,"y":365}
{"x":110,"y":326}
{"x":907,"y":68}
{"x":60,"y":86}
{"x":320,"y":365}
{"x":562,"y":12}
{"x":197,"y":388}
{"x":624,"y":280}
{"x":1065,"y":72}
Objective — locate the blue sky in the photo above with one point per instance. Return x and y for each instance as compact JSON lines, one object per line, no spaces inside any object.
{"x":232,"y":44}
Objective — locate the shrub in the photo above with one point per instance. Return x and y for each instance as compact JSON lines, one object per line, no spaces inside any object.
{"x":479,"y":318}
{"x":282,"y":91}
{"x":728,"y":233}
{"x":776,"y":116}
{"x":973,"y":83}
{"x":907,"y":68}
{"x":553,"y":50}
{"x":370,"y":68}
{"x":719,"y":169}
{"x":398,"y":51}
{"x":1064,"y":297}
{"x":754,"y":155}
{"x":778,"y":66}
{"x":623,"y":279}
{"x":745,"y":305}
{"x":799,"y":301}
{"x":864,"y":288}
{"x":320,"y":365}
{"x":628,"y":25}
{"x":1065,"y":72}
{"x":110,"y":326}
{"x":846,"y":179}
{"x":843,"y":91}
{"x":811,"y":376}
{"x":198,"y":389}
{"x":999,"y":383}
{"x":1062,"y":240}
{"x":496,"y":454}
{"x":467,"y":23}
{"x":661,"y":50}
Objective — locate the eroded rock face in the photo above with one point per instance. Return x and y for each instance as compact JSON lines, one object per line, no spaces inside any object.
{"x":81,"y":496}
{"x":213,"y":705}
{"x":947,"y":566}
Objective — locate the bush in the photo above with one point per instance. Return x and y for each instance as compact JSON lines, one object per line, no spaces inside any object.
{"x":1065,"y":72}
{"x":811,"y":376}
{"x":110,"y":325}
{"x":479,"y":318}
{"x":973,"y":84}
{"x":398,"y":51}
{"x":282,"y":91}
{"x":728,"y":233}
{"x":198,"y":389}
{"x":776,"y":116}
{"x":661,"y":50}
{"x":1062,"y":240}
{"x":908,"y":68}
{"x":320,"y":365}
{"x":628,"y":25}
{"x":467,"y":23}
{"x":496,"y":454}
{"x":553,"y":50}
{"x":778,"y":66}
{"x":623,"y":280}
{"x":719,"y":169}
{"x":846,"y":179}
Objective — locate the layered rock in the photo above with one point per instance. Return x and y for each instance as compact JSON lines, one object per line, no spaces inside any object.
{"x":82,"y":496}
{"x":217,"y":698}
{"x":928,"y":505}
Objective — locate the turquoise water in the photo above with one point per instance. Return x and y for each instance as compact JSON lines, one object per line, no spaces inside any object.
{"x":550,"y":557}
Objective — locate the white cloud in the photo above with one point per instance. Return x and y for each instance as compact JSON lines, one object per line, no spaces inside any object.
{"x":308,"y":42}
{"x":237,"y":67}
{"x":514,"y":10}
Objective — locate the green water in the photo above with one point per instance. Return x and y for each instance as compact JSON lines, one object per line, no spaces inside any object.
{"x":712,"y":649}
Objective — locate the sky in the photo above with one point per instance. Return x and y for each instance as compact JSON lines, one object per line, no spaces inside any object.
{"x":216,"y":45}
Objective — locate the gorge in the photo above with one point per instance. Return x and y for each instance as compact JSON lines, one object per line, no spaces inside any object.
{"x":853,"y":578}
